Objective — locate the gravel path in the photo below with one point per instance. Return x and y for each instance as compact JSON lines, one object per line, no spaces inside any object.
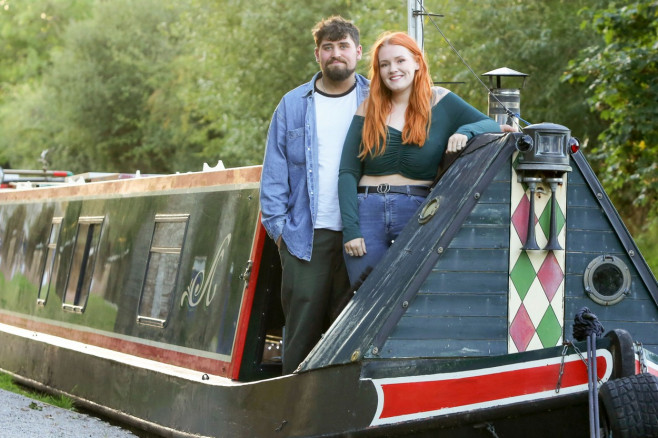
{"x":23,"y":417}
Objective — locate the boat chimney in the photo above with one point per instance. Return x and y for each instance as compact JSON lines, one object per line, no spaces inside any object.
{"x":505,"y":102}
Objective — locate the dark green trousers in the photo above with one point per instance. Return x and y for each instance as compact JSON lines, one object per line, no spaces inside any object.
{"x":312,"y":294}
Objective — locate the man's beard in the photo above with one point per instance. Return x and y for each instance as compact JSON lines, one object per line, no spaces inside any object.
{"x":338,"y":74}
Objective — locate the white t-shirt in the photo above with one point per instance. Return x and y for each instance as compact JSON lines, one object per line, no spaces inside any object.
{"x":333,"y":115}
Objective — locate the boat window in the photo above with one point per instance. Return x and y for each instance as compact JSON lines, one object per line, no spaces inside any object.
{"x":607,"y":280}
{"x":49,"y":268}
{"x":162,"y":269}
{"x":85,"y":250}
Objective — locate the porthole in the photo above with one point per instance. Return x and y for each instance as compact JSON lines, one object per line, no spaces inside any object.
{"x":607,"y":280}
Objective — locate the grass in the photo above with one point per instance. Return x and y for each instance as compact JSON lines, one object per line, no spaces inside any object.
{"x":7,"y":383}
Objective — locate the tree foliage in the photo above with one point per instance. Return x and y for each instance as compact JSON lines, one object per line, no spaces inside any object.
{"x":240,"y":61}
{"x":622,"y":80}
{"x":535,"y":38}
{"x":164,"y":85}
{"x":103,"y":82}
{"x":91,"y":108}
{"x":31,"y":32}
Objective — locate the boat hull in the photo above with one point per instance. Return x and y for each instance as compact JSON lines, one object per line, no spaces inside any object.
{"x":419,"y":397}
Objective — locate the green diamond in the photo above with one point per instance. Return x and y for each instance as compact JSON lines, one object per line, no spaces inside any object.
{"x":545,"y":219}
{"x":523,"y":274}
{"x":549,"y":329}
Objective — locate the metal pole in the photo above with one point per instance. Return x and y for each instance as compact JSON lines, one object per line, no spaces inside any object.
{"x":592,"y":380}
{"x":590,"y":392}
{"x":595,"y":387}
{"x":415,"y":21}
{"x":37,"y":172}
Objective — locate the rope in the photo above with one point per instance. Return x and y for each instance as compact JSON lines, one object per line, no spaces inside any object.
{"x":587,"y":326}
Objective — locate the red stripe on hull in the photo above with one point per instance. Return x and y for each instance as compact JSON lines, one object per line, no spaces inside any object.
{"x":171,"y":357}
{"x":423,"y":396}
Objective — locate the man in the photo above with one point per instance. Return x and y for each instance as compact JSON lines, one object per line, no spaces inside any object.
{"x":298,"y":193}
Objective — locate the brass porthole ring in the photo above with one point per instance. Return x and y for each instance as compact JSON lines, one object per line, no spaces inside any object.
{"x":428,"y":211}
{"x":607,"y":280}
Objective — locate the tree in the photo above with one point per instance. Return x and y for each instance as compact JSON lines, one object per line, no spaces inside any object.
{"x":536,"y":38}
{"x":622,"y":77}
{"x":102,"y":84}
{"x":237,"y":64}
{"x":31,"y":31}
{"x":622,"y":80}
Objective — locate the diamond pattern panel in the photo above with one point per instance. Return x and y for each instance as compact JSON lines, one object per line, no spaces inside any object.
{"x":536,"y":286}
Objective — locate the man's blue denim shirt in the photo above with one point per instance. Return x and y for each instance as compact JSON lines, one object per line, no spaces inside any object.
{"x":289,"y":182}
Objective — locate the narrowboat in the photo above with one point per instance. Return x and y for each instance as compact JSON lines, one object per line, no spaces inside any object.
{"x":514,"y":304}
{"x":154,"y":300}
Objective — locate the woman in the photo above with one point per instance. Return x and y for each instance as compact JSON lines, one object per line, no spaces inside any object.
{"x":394,"y":146}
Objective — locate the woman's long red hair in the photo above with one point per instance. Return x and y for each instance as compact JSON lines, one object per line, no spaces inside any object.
{"x":417,"y":115}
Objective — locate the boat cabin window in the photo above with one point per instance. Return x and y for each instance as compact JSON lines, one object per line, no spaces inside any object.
{"x":162,"y":269}
{"x":85,"y":250}
{"x":49,"y":268}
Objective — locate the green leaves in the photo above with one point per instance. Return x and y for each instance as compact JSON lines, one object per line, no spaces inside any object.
{"x":622,"y":78}
{"x":163,"y":85}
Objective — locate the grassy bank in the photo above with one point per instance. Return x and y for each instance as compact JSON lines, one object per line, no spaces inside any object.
{"x":7,"y":383}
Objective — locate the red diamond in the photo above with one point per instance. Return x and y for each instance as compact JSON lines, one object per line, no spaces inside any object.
{"x":521,"y":330}
{"x":520,"y":218}
{"x":550,"y":275}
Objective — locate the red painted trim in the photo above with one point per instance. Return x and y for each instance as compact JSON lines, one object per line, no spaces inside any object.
{"x":164,"y":355}
{"x":416,"y":397}
{"x":247,"y":301}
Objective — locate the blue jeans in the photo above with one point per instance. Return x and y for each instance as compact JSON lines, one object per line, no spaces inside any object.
{"x":381,"y":218}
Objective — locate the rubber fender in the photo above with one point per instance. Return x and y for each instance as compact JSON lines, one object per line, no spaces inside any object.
{"x":623,"y":353}
{"x":630,"y":406}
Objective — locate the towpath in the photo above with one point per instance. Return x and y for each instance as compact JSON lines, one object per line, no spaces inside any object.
{"x":22,"y":417}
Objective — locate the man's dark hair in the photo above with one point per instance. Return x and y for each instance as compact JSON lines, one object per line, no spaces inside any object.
{"x":335,"y":28}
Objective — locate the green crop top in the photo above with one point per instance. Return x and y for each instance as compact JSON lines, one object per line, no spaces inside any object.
{"x":449,"y":116}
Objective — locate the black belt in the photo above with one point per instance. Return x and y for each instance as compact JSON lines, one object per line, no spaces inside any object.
{"x":386,"y":188}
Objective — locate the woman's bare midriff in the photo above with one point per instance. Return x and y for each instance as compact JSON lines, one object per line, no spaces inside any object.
{"x":393,"y":180}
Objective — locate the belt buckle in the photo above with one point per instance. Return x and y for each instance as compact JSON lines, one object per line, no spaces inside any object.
{"x":383,"y":188}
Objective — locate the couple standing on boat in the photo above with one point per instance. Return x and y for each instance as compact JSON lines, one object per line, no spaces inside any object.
{"x":372,"y":147}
